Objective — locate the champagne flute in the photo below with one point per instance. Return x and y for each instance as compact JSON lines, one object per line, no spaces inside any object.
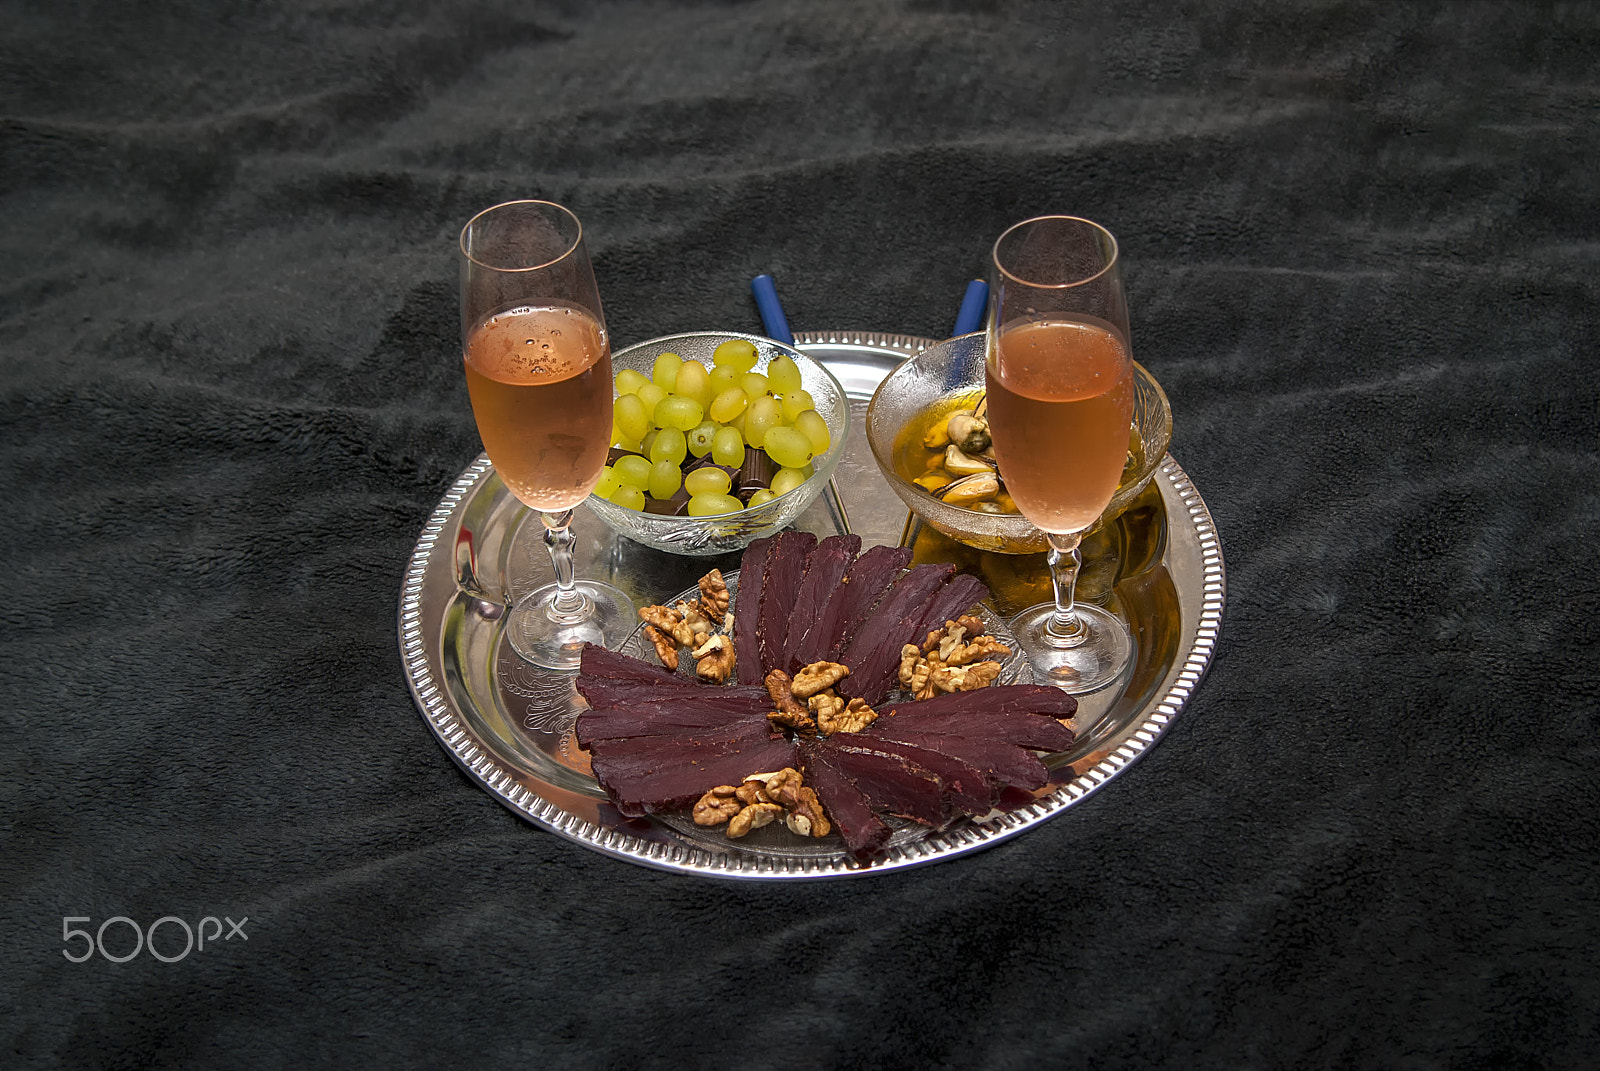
{"x":1060,"y":399}
{"x":538,"y":366}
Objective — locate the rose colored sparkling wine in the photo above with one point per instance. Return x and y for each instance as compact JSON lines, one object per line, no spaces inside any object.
{"x":540,"y":382}
{"x":1060,"y":407}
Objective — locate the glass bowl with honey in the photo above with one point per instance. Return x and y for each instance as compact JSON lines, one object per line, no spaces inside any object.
{"x":927,"y":429}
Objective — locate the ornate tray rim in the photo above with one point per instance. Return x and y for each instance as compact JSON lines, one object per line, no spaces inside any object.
{"x":481,"y":765}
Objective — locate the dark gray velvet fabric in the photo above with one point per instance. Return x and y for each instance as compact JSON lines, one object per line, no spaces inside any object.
{"x":1362,"y":246}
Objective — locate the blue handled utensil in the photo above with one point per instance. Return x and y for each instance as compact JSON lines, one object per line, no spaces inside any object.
{"x":974,"y":303}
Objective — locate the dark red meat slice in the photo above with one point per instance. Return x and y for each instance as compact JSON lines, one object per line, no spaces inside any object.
{"x":1023,"y":730}
{"x":968,"y":789}
{"x":599,"y":662}
{"x":998,"y":699}
{"x":892,"y":783}
{"x":1006,"y":765}
{"x":654,"y":717}
{"x":874,"y":655}
{"x":863,"y":832}
{"x":828,"y":564}
{"x":688,"y":775}
{"x":961,"y":594}
{"x":606,"y":693}
{"x":787,"y":561}
{"x":747,"y":611}
{"x":863,"y":583}
{"x":637,"y":756}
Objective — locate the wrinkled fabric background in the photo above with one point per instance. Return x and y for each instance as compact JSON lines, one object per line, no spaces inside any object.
{"x":1361,"y":243}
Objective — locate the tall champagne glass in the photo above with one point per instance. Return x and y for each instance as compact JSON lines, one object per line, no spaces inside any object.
{"x":538,"y":364}
{"x":1060,"y":397}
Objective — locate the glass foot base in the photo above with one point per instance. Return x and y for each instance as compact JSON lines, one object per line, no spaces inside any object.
{"x":545,"y":637}
{"x":1101,"y":658}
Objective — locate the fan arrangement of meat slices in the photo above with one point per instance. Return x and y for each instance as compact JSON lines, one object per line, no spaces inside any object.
{"x":797,"y":714}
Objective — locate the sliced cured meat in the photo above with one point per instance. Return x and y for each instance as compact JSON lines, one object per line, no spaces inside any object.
{"x":1022,"y":730}
{"x":600,"y":692}
{"x":598,"y":662}
{"x":1006,"y":765}
{"x":863,"y":832}
{"x":874,"y":655}
{"x":892,"y":783}
{"x":999,"y":699}
{"x":850,"y":604}
{"x":968,"y":789}
{"x":787,"y":561}
{"x":638,"y":756}
{"x":657,"y":717}
{"x":747,"y":611}
{"x":823,"y":575}
{"x":676,"y":785}
{"x":962,"y":593}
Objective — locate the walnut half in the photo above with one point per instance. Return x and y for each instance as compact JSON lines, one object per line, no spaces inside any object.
{"x":818,"y":677}
{"x":714,"y":660}
{"x":855,"y":717}
{"x":717,"y":806}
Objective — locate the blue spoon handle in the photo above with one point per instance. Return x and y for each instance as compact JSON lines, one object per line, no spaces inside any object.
{"x":973,"y":305}
{"x":773,"y":320}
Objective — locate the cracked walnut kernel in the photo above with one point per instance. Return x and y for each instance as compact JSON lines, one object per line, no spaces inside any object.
{"x":666,"y":646}
{"x":807,"y":817}
{"x":669,"y":621}
{"x":855,"y":717}
{"x":818,"y":677}
{"x":753,"y":817}
{"x":714,"y":594}
{"x":824,"y":705}
{"x":714,"y":660}
{"x":717,"y":806}
{"x":965,"y":678}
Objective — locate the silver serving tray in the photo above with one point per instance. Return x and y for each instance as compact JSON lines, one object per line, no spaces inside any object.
{"x":509,"y":725}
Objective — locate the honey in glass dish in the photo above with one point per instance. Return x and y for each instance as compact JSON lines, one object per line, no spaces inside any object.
{"x":540,"y":383}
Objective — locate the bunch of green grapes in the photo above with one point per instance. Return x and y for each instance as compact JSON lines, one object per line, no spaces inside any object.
{"x":685,"y":409}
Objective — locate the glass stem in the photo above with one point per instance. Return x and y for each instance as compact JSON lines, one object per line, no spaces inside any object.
{"x":1065,"y":629}
{"x":569,"y":604}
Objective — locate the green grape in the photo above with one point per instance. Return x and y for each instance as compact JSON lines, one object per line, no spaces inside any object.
{"x":665,"y":476}
{"x":727,"y":405}
{"x":796,"y":402}
{"x":709,"y":505}
{"x":648,"y":441}
{"x":708,"y":480}
{"x":670,"y":445}
{"x":787,"y":447}
{"x":676,"y":411}
{"x":727,"y":448}
{"x":724,"y":378}
{"x":783,"y":375}
{"x":627,"y":412}
{"x":735,"y":353}
{"x":629,"y":497}
{"x":737,"y":424}
{"x":609,"y":481}
{"x":629,"y":381}
{"x":651,"y":396}
{"x":619,"y":439}
{"x":632,"y":471}
{"x":761,"y":498}
{"x":693,"y":382}
{"x":813,"y":427}
{"x":754,"y":384}
{"x":764,"y":413}
{"x":665,"y":372}
{"x":701,"y":437}
{"x":786,"y":480}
